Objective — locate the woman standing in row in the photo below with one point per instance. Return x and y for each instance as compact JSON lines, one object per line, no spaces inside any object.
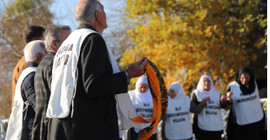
{"x":177,"y":120}
{"x":207,"y":125}
{"x":246,"y":119}
{"x":143,"y":103}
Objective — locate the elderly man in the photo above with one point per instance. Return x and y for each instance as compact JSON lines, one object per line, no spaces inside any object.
{"x":54,"y":37}
{"x":86,"y":79}
{"x":23,"y":111}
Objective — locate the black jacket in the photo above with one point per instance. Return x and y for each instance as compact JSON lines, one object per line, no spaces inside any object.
{"x":95,"y":114}
{"x":42,"y":88}
{"x":28,"y":95}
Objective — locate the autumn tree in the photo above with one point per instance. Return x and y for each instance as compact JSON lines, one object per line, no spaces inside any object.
{"x":18,"y":14}
{"x":188,"y":38}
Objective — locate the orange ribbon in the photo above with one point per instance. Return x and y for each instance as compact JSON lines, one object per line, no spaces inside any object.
{"x":160,"y":101}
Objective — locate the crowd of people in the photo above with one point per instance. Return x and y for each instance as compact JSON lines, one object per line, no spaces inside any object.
{"x":246,"y":120}
{"x":68,"y":86}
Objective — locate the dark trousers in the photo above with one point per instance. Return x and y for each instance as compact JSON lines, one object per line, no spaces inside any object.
{"x":132,"y":135}
{"x":254,"y":131}
{"x":207,"y":135}
{"x":60,"y":129}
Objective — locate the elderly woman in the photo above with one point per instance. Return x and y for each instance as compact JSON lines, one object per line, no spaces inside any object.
{"x":177,"y":120}
{"x":143,"y":103}
{"x":207,"y":125}
{"x":246,"y":119}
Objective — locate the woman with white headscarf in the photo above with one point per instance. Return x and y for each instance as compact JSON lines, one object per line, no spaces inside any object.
{"x":177,"y":120}
{"x":207,"y":125}
{"x":143,"y":103}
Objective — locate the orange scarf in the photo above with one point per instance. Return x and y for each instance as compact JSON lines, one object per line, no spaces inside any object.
{"x":160,"y":101}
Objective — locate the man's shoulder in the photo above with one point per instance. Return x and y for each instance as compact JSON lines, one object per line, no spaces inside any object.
{"x":29,"y":80}
{"x":88,"y":36}
{"x":94,"y":36}
{"x":47,"y":61}
{"x":45,"y":66}
{"x":87,"y":31}
{"x":95,"y":40}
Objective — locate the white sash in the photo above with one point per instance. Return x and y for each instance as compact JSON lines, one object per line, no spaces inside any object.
{"x":178,"y":124}
{"x":64,"y":80}
{"x":15,"y":122}
{"x":247,"y":108}
{"x":210,"y":119}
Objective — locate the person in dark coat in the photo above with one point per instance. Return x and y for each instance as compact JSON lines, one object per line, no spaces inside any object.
{"x":54,"y":37}
{"x":29,"y":95}
{"x":246,"y":119}
{"x":25,"y":97}
{"x":85,"y":64}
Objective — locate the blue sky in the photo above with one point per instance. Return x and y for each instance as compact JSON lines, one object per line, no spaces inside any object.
{"x":64,"y":11}
{"x":64,"y":15}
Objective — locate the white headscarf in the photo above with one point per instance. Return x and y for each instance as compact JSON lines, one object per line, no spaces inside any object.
{"x":145,"y":97}
{"x":178,"y":90}
{"x":200,"y":85}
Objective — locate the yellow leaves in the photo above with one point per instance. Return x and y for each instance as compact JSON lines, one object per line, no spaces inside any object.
{"x":202,"y":14}
{"x":196,"y":37}
{"x":146,"y":31}
{"x":208,"y":32}
{"x":199,"y":15}
{"x":249,"y":17}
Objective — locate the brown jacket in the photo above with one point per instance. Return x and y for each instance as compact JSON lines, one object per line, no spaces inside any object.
{"x":21,"y":65}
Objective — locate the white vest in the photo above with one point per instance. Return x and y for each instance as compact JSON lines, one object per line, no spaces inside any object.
{"x":146,"y":109}
{"x":178,"y":124}
{"x":64,"y":80}
{"x":15,"y":123}
{"x":210,"y":119}
{"x":247,"y":108}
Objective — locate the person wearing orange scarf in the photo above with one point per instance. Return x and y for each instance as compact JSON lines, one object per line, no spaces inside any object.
{"x":142,"y":101}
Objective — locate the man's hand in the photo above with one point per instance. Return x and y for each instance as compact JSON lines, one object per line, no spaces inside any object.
{"x":137,"y":69}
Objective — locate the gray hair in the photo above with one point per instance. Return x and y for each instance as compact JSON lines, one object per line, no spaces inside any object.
{"x":53,"y":33}
{"x":32,"y":49}
{"x":86,"y":13}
